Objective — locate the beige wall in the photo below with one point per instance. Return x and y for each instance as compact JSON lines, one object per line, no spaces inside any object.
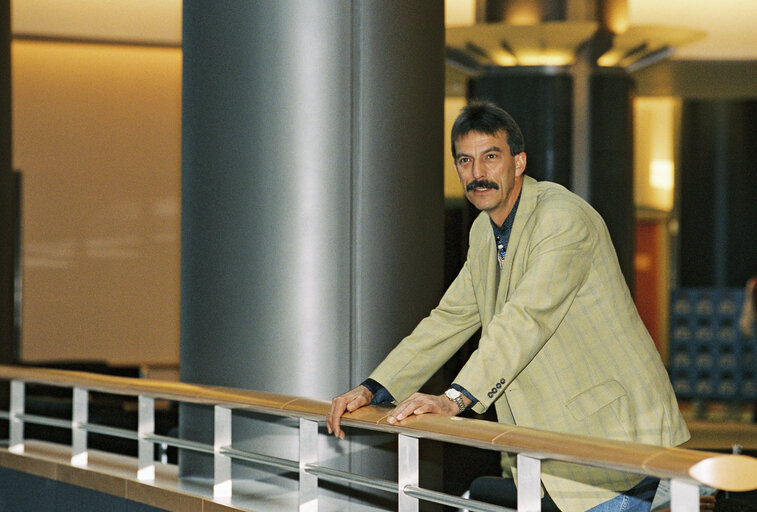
{"x":97,"y":136}
{"x":452,"y":107}
{"x":655,"y":120}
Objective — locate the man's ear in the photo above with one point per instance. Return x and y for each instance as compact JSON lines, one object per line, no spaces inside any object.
{"x":520,"y":163}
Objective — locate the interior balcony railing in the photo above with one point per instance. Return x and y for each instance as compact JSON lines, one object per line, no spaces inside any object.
{"x":685,"y":469}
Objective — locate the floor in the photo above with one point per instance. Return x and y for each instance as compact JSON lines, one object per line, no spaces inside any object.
{"x":721,"y":427}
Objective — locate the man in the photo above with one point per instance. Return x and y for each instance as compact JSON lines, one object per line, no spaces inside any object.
{"x":562,"y":347}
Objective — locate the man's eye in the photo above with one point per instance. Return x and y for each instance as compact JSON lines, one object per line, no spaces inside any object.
{"x":491,"y":156}
{"x":463,"y":161}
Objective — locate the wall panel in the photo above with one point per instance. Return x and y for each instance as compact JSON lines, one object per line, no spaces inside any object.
{"x":97,"y":133}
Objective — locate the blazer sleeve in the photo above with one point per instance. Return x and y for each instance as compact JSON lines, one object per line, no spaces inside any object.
{"x":552,"y":261}
{"x":436,"y":338}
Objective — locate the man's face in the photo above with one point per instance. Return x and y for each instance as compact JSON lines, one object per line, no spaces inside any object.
{"x":490,"y":176}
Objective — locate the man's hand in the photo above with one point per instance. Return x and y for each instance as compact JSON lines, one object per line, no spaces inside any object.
{"x":420,"y":403}
{"x":348,"y":402}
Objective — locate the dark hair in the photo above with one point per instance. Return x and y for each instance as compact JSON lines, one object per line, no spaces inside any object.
{"x":488,"y":118}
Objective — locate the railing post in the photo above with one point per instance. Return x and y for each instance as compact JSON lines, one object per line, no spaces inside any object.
{"x":684,"y":496}
{"x":79,"y":418}
{"x":16,"y":441}
{"x":145,"y":449}
{"x":308,"y":455}
{"x":221,"y":462}
{"x":529,"y":484}
{"x":408,"y":472}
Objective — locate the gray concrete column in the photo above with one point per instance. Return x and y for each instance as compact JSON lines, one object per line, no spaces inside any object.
{"x":312,"y":197}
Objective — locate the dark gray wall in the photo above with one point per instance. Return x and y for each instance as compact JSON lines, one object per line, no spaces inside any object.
{"x":8,"y":206}
{"x":718,"y":192}
{"x":540,"y":99}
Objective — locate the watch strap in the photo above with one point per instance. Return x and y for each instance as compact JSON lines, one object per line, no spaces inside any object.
{"x":458,"y":400}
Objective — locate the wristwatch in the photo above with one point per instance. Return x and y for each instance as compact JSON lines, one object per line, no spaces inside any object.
{"x":457,"y":397}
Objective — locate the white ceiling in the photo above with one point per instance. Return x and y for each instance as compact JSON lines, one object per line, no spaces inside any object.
{"x":730,"y":25}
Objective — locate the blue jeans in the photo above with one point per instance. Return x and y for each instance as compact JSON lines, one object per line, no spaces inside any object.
{"x":636,"y":499}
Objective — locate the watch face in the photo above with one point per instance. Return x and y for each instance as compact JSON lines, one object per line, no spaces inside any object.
{"x":452,"y":393}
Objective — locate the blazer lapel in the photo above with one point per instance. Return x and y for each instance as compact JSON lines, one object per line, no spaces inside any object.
{"x":489,"y":264}
{"x":526,"y":206}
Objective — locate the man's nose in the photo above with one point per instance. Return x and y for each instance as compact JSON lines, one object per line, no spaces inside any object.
{"x":477,"y":170}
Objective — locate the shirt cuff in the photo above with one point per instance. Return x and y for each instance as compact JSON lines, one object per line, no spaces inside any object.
{"x":465,"y":392}
{"x":380,"y":394}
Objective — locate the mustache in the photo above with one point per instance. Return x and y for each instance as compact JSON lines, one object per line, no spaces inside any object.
{"x":481,"y":184}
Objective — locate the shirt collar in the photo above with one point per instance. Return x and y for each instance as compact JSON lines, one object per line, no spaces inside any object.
{"x":507,"y":226}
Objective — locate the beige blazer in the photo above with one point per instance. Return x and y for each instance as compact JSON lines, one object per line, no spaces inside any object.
{"x":562,"y":346}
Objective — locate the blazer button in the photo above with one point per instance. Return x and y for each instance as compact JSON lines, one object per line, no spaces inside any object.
{"x":490,"y":394}
{"x":502,"y":381}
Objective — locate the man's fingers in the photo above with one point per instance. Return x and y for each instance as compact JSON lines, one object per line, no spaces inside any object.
{"x":424,"y":408}
{"x":333,"y":414}
{"x":333,"y":422}
{"x":337,"y":419}
{"x":402,"y":411}
{"x":348,"y":402}
{"x":357,"y":403}
{"x":416,"y":404}
{"x":397,"y":414}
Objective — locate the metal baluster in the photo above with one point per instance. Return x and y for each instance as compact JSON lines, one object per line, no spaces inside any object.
{"x":408,"y":472}
{"x":16,"y":441}
{"x":529,"y":484}
{"x":145,"y":449}
{"x":222,"y":463}
{"x":684,"y":496}
{"x":308,"y":455}
{"x":79,"y":418}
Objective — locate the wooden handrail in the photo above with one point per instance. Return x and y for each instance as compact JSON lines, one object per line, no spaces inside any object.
{"x":722,"y":471}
